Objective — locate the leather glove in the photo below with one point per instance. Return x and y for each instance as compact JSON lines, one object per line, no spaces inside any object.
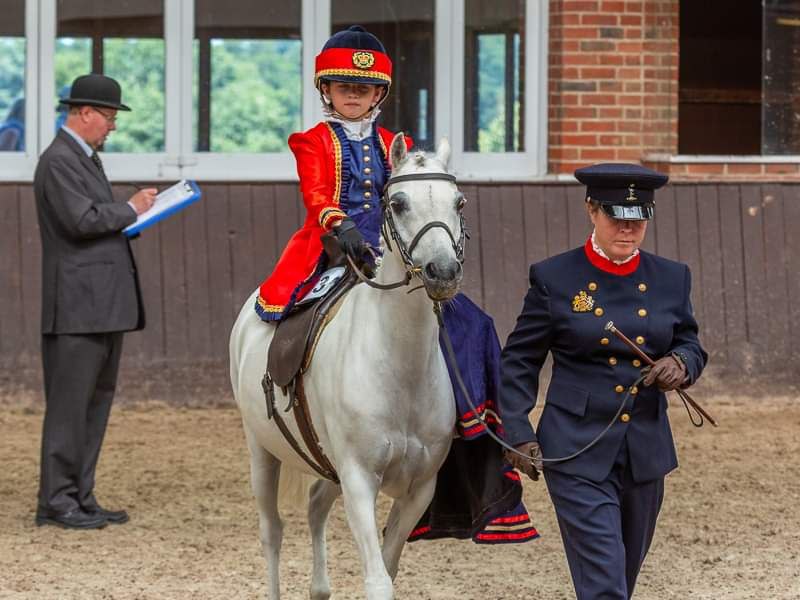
{"x":350,"y":239}
{"x":530,"y":467}
{"x":668,"y":373}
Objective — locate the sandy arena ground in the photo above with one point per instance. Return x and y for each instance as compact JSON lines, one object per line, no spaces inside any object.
{"x":730,"y":526}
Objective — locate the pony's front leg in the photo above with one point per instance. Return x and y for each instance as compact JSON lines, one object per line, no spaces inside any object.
{"x":265,"y":472}
{"x":360,"y":491}
{"x":405,"y":514}
{"x":323,"y":495}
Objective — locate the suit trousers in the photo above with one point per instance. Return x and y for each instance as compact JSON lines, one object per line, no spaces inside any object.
{"x":80,"y":376}
{"x":606,"y":527}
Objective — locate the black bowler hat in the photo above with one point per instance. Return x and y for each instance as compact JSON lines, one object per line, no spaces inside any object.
{"x":624,"y":191}
{"x":95,"y":90}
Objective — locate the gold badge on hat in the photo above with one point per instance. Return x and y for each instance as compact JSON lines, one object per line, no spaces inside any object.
{"x":363,"y":60}
{"x":631,"y":194}
{"x":583,"y":302}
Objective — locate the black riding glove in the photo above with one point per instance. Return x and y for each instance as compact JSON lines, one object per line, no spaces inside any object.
{"x":529,"y":466}
{"x":350,"y":239}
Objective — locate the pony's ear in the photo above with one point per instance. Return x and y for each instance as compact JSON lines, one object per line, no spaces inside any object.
{"x":398,"y":151}
{"x":443,"y":151}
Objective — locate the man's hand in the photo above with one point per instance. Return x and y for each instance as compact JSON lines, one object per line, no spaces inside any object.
{"x":142,"y":200}
{"x":530,"y":466}
{"x":350,"y":239}
{"x":668,"y":373}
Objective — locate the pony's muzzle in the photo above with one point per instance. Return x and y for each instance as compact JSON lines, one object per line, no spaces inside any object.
{"x":442,"y":279}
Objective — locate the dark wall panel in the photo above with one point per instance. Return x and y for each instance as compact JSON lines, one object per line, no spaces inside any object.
{"x":197,"y":269}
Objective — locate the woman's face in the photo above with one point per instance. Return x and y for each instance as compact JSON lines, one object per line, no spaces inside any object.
{"x":618,"y":238}
{"x":352,"y":100}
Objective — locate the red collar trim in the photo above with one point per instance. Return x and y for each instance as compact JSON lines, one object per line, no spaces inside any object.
{"x":608,"y":266}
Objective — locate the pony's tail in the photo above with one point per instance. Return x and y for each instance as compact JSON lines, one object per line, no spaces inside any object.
{"x":294,"y":489}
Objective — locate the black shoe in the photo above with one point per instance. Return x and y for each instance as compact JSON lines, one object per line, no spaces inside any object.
{"x":114,"y":517}
{"x":74,"y":519}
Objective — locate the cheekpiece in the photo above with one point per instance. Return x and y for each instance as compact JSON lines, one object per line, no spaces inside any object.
{"x":624,"y":191}
{"x":353,"y":56}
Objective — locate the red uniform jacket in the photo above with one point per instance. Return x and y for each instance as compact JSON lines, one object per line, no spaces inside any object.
{"x":319,"y":165}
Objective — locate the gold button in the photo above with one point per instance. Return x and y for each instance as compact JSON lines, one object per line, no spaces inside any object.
{"x":367,"y":194}
{"x":367,"y":207}
{"x":604,"y":341}
{"x":625,"y":417}
{"x":612,"y":361}
{"x":639,"y":340}
{"x":636,"y":363}
{"x":367,"y":159}
{"x":365,"y":147}
{"x":641,"y":312}
{"x":634,"y":390}
{"x":367,"y":170}
{"x":592,"y":286}
{"x":642,"y":287}
{"x":619,"y":389}
{"x":368,"y":183}
{"x":598,"y":311}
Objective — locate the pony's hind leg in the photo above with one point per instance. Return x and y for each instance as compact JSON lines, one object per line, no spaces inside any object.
{"x":323,"y":495}
{"x":265,"y":472}
{"x":406,"y":512}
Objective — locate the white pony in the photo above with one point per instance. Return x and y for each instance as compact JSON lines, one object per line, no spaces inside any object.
{"x":378,"y":389}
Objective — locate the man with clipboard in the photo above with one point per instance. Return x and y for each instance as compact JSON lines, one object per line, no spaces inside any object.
{"x":90,"y":296}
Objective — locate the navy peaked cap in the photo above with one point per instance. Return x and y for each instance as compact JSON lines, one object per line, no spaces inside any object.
{"x":624,"y":191}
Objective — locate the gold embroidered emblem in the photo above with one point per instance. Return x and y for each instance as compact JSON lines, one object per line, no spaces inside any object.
{"x":363,"y":60}
{"x":631,"y":194}
{"x":583,"y":302}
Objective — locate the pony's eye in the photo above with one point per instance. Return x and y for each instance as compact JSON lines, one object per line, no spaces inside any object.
{"x":399,"y":202}
{"x":461,"y":201}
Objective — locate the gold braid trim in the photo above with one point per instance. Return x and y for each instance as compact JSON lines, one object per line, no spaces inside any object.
{"x":352,"y":73}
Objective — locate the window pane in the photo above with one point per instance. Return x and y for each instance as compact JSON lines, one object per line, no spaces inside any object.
{"x":781,"y":101}
{"x":123,"y":39}
{"x":12,"y":76}
{"x":247,"y":75}
{"x":494,"y":54}
{"x":406,"y":30}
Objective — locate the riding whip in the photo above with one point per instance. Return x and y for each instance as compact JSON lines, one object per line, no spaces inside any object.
{"x":687,"y":399}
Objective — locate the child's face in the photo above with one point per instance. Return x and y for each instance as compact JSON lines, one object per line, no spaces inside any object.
{"x":352,"y":100}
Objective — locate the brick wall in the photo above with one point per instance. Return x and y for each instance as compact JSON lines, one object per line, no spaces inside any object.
{"x":613,"y":92}
{"x":613,"y":81}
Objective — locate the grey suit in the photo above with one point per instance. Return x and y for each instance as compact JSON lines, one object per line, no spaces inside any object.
{"x":90,"y":295}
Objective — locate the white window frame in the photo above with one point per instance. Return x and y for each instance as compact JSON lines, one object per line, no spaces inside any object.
{"x":450,"y":102}
{"x":179,"y":158}
{"x":20,"y":166}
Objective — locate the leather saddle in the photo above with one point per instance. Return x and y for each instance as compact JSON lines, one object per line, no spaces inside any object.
{"x":296,"y":336}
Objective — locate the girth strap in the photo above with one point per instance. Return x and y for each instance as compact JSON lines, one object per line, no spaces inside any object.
{"x":299,"y":403}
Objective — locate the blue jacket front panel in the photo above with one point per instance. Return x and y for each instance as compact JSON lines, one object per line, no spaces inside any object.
{"x":367,"y":177}
{"x":592,"y":369}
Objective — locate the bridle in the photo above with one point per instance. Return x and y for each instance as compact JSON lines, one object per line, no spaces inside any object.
{"x":389,"y":232}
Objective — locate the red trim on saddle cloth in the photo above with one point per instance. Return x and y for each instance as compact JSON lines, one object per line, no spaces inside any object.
{"x":469,"y":426}
{"x":608,"y":266}
{"x":319,"y":166}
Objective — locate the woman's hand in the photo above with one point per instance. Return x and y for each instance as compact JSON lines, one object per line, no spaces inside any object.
{"x":668,"y":373}
{"x":530,"y":466}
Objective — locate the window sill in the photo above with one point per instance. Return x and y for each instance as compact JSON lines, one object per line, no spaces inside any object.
{"x":722,"y":168}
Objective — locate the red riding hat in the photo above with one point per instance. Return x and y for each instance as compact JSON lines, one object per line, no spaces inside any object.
{"x":354,"y":56}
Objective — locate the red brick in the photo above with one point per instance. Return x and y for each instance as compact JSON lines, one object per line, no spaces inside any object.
{"x":629,"y":73}
{"x":630,"y":100}
{"x":580,"y":113}
{"x":629,"y":154}
{"x":579,"y":140}
{"x":744,"y":168}
{"x":634,"y":7}
{"x":598,"y":46}
{"x":610,"y":86}
{"x":629,"y":47}
{"x":776,"y":168}
{"x":598,"y":154}
{"x":630,"y":20}
{"x":705,"y":168}
{"x":610,"y":140}
{"x":579,"y":6}
{"x":597,"y":99}
{"x":581,"y":33}
{"x":578,"y":58}
{"x":609,"y":113}
{"x":609,"y":59}
{"x":630,"y":126}
{"x":563,"y":153}
{"x":599,"y":125}
{"x":603,"y":18}
{"x":598,"y":73}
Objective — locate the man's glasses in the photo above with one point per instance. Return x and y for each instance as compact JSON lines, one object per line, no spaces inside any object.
{"x":111,"y":120}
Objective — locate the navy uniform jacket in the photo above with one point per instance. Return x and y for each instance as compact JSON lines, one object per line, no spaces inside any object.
{"x":651,"y":306}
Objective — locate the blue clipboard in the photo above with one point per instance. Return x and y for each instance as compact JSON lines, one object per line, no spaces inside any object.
{"x":168,"y":202}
